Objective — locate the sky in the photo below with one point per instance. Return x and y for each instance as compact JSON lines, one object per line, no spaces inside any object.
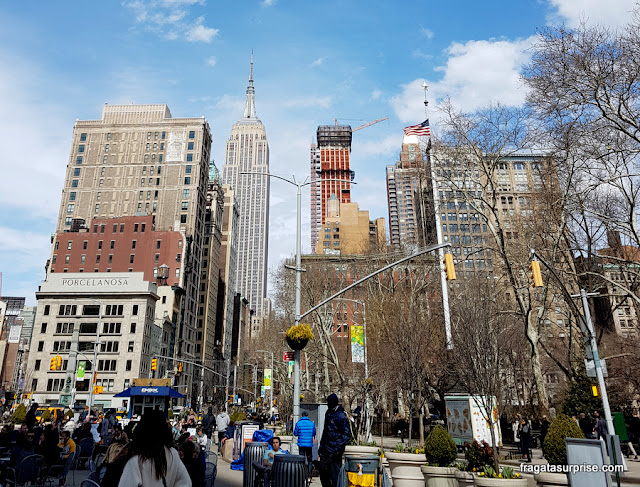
{"x":314,"y":62}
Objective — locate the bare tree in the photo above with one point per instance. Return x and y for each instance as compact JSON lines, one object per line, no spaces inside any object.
{"x":482,"y":332}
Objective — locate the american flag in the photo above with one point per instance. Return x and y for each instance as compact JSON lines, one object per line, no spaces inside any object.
{"x":420,"y":129}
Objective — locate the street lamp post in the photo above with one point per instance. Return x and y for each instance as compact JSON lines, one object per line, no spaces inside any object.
{"x":94,"y":364}
{"x":366,"y":365}
{"x":271,"y":387}
{"x":299,"y":270}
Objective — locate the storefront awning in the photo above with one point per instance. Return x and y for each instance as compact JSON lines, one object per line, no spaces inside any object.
{"x":149,"y":391}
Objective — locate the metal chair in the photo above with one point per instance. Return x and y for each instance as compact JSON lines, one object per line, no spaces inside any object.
{"x":210,"y":472}
{"x":27,"y":471}
{"x":212,"y":457}
{"x":84,"y":452}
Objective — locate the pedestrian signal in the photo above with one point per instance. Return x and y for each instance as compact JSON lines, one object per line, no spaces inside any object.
{"x":449,"y":267}
{"x":536,"y":276}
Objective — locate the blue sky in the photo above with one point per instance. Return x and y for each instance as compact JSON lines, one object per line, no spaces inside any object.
{"x":314,"y":61}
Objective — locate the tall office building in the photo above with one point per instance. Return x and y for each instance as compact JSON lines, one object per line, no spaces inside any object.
{"x":403,"y":180}
{"x":248,"y":152}
{"x":135,"y":162}
{"x":330,"y":173}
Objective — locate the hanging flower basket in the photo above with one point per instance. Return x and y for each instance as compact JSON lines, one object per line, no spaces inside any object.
{"x":298,"y":336}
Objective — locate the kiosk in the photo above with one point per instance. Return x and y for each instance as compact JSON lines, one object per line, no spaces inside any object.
{"x":149,"y":394}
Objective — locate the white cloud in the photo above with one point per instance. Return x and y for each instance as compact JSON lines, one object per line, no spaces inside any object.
{"x":211,"y":61}
{"x":420,"y":54}
{"x":428,"y":33}
{"x":317,"y":62}
{"x":268,"y":3}
{"x":308,"y":101}
{"x":612,"y":13}
{"x":476,"y":73}
{"x":201,"y":33}
{"x":171,"y":19}
{"x":376,"y":94}
{"x":377,"y":147}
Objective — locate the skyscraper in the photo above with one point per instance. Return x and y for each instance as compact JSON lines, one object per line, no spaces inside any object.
{"x":403,"y":179}
{"x":248,"y":152}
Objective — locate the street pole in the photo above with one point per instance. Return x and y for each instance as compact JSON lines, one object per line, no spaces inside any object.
{"x":439,"y":238}
{"x":272,"y":375}
{"x":296,"y":353}
{"x":597,"y":363}
{"x":94,"y":364}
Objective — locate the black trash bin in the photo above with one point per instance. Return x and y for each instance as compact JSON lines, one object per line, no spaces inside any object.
{"x":253,"y":452}
{"x":365,"y":465}
{"x":288,"y":471}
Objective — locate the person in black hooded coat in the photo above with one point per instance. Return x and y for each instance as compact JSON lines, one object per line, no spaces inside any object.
{"x":335,"y":437}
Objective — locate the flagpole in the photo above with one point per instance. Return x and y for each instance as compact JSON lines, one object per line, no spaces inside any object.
{"x":439,"y":236}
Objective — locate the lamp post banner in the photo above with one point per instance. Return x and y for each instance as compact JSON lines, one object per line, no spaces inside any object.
{"x":81,"y":367}
{"x":357,"y":344}
{"x":267,"y":379}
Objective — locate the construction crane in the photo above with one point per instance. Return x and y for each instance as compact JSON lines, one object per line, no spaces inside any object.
{"x":370,"y":123}
{"x":365,"y":125}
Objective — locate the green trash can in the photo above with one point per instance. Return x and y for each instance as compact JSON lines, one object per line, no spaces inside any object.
{"x":364,"y":468}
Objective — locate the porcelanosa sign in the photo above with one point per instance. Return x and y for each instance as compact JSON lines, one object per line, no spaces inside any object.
{"x":91,"y":282}
{"x":96,"y":282}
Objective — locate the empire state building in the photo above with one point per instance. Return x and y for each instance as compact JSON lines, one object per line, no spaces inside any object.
{"x":247,"y":151}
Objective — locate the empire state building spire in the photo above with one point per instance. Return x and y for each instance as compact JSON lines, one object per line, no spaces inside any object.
{"x":250,"y":103}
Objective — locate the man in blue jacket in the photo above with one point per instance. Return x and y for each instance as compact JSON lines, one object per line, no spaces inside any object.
{"x":335,"y":437}
{"x":305,"y":430}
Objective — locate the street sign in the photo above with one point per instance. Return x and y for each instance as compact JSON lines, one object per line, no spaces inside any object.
{"x":591,"y":367}
{"x":288,"y":356}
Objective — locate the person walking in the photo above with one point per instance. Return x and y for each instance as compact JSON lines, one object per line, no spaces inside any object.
{"x":222,"y":423}
{"x":305,"y":430}
{"x":208,"y":422}
{"x":601,"y":426}
{"x":155,"y":463}
{"x":525,"y":439}
{"x":634,"y":433}
{"x":586,"y":426}
{"x":335,"y":437}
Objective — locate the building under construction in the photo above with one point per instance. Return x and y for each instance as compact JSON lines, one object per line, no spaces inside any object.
{"x":330,"y":171}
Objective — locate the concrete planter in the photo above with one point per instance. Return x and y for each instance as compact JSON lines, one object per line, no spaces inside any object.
{"x":359,"y":451}
{"x":547,"y":479}
{"x":405,"y":469}
{"x":439,"y":476}
{"x":465,"y":479}
{"x":487,"y":482}
{"x":286,"y":442}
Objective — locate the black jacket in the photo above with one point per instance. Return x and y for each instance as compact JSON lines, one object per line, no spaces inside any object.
{"x":336,"y":433}
{"x":208,"y":420}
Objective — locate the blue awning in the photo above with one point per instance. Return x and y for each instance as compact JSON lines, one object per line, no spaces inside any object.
{"x":149,"y":391}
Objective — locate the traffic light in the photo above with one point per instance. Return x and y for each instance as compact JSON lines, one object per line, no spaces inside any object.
{"x":56,"y":363}
{"x":179,"y":366}
{"x":594,"y":391}
{"x":536,"y":276}
{"x":448,"y":267}
{"x":154,"y":364}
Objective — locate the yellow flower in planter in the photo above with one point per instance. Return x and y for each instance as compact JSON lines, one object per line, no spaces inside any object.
{"x":298,"y":335}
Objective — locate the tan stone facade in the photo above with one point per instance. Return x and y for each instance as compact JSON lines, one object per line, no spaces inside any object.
{"x":349,"y":230}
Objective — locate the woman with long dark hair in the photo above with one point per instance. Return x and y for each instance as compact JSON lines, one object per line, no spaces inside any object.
{"x":155,"y":463}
